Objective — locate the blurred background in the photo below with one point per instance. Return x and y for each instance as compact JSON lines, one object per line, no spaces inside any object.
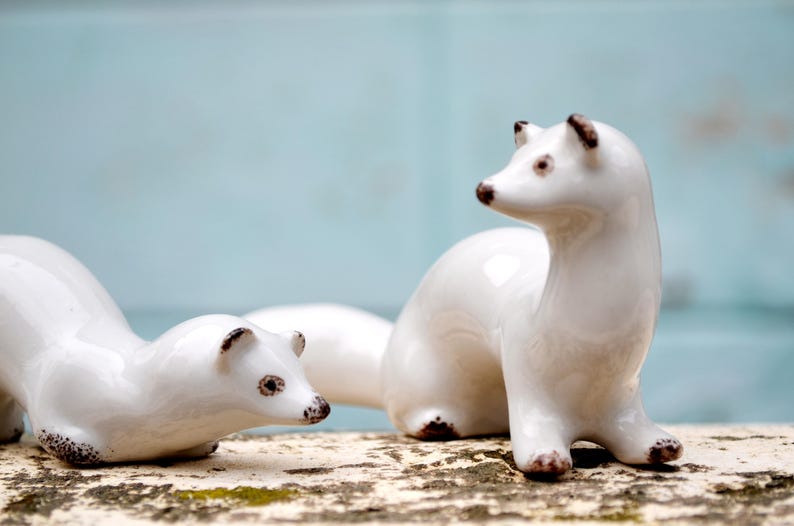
{"x":213,"y":156}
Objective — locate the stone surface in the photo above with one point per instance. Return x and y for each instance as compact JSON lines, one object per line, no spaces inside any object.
{"x":739,"y":474}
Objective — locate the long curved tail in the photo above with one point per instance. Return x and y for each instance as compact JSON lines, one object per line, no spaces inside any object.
{"x":344,"y":348}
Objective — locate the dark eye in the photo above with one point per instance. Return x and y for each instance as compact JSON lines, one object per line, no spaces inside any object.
{"x":270,"y":385}
{"x":543,"y":165}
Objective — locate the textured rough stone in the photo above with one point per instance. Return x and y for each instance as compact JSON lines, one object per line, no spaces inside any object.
{"x":736,"y":474}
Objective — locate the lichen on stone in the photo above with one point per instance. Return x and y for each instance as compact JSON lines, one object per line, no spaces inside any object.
{"x":242,"y":495}
{"x":389,"y":478}
{"x":627,"y":513}
{"x":762,"y":488}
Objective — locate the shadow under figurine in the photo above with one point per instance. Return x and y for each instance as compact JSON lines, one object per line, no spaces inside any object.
{"x":541,"y":333}
{"x":95,"y":392}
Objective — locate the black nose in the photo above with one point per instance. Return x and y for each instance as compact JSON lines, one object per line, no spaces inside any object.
{"x":485,"y":193}
{"x":317,"y":411}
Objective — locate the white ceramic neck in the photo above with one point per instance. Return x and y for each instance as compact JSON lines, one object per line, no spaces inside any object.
{"x":606,"y":259}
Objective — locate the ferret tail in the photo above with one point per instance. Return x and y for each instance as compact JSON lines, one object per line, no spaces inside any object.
{"x":344,"y":348}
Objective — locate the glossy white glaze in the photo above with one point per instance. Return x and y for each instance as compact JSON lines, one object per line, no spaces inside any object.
{"x":95,"y":392}
{"x":343,"y":348}
{"x":541,"y":333}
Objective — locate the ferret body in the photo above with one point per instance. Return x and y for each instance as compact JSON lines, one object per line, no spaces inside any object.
{"x":95,"y":392}
{"x":541,"y":332}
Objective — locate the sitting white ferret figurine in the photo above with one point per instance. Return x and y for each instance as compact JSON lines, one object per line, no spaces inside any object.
{"x":541,"y":334}
{"x":96,"y":393}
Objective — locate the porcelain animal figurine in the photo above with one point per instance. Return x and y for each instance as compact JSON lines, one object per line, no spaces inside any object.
{"x":541,"y":333}
{"x":97,"y":393}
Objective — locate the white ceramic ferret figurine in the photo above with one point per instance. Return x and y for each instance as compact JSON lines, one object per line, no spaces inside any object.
{"x":541,"y":333}
{"x":95,"y":392}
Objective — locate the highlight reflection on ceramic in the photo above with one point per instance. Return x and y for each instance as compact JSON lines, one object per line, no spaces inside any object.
{"x":95,"y":392}
{"x":537,"y":331}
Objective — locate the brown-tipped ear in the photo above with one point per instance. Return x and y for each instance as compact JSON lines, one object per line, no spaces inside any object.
{"x":297,"y":342}
{"x":520,"y":133}
{"x":523,"y":132}
{"x":586,"y":135}
{"x":236,"y":338}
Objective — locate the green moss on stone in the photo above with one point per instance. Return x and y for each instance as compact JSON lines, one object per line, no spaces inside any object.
{"x":628,"y":512}
{"x":244,"y":495}
{"x":764,"y":488}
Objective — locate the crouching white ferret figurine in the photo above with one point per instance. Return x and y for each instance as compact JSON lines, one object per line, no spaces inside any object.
{"x":539,"y":333}
{"x":96,"y":393}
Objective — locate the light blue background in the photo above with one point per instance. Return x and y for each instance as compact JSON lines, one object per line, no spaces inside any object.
{"x":223,"y":156}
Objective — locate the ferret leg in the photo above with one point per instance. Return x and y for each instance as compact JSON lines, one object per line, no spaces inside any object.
{"x":634,"y":439}
{"x":11,"y":424}
{"x":539,"y":440}
{"x":442,"y":390}
{"x":70,"y":447}
{"x":539,"y":430}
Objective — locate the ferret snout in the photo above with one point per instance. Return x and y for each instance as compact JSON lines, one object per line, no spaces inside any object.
{"x":485,"y":193}
{"x":317,"y":411}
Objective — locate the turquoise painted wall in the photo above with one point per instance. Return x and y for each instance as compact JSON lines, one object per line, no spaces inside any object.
{"x":227,"y":155}
{"x":222,"y":156}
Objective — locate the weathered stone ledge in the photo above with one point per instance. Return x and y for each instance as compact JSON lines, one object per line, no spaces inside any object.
{"x":737,"y":474}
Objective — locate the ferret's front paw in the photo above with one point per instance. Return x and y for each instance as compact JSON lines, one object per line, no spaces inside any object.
{"x":550,"y":462}
{"x":665,"y":450}
{"x":68,"y":449}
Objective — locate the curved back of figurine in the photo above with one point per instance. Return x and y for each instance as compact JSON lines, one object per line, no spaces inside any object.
{"x":46,"y":295}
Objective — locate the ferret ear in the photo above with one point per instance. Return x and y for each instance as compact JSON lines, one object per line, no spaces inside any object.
{"x":583,"y":132}
{"x":523,"y":131}
{"x":236,"y":339}
{"x":297,"y":341}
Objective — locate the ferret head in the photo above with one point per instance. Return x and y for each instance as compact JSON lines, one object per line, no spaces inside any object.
{"x":247,"y":370}
{"x":575,"y":170}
